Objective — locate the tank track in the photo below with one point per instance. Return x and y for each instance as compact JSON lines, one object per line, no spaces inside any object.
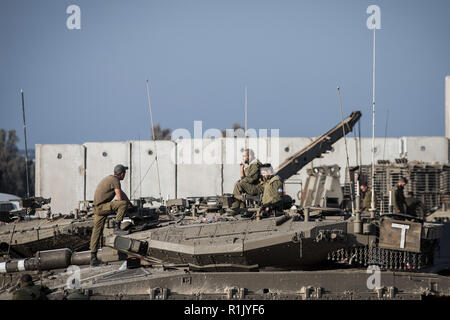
{"x":384,"y":258}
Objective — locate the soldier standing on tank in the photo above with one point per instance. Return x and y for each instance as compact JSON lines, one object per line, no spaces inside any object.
{"x":249,"y":183}
{"x":366,"y":197}
{"x":29,"y":291}
{"x":272,"y":190}
{"x":398,"y":196}
{"x":106,"y":190}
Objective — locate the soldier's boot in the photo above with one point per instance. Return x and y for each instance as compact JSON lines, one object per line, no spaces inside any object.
{"x":117,"y":230}
{"x":234,"y":209}
{"x":94,"y":260}
{"x":235,"y":205}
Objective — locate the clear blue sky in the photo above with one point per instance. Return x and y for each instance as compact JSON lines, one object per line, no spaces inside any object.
{"x":89,"y":84}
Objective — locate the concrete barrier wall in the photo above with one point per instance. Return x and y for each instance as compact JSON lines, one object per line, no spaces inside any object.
{"x":204,"y":167}
{"x":199,"y":168}
{"x":101,"y":158}
{"x":144,"y":173}
{"x":59,"y":175}
{"x":427,"y":149}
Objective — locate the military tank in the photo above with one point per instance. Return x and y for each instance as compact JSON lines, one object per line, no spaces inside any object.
{"x":318,"y":251}
{"x":34,"y":228}
{"x":324,"y":242}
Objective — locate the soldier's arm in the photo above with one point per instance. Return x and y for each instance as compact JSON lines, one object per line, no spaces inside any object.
{"x":394,"y":202}
{"x":279,"y":185}
{"x":276,"y":186}
{"x":46,"y":290}
{"x":124,"y":197}
{"x":120,"y":195}
{"x":252,"y":176}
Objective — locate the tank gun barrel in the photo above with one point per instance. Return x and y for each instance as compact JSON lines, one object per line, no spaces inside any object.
{"x":315,"y":149}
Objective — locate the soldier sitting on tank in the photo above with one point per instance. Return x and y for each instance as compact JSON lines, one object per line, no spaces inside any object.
{"x":272,"y":199}
{"x":398,"y":196}
{"x":106,"y":190}
{"x":249,"y":182}
{"x":366,"y":196}
{"x":412,"y":204}
{"x":29,"y":291}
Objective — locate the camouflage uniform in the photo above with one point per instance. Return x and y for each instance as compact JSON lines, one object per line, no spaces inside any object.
{"x":30,"y":291}
{"x":272,"y":195}
{"x":249,"y":184}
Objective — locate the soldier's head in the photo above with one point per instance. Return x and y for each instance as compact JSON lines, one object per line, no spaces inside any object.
{"x":363,"y":187}
{"x":402,"y":182}
{"x":119,"y":171}
{"x":266,"y":171}
{"x":26,"y":278}
{"x":410,"y":194}
{"x":248,"y":155}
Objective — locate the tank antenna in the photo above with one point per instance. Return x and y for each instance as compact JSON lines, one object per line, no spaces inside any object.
{"x":140,"y":173}
{"x":153,"y":138}
{"x":372,"y":202}
{"x":347,"y":171}
{"x":385,"y":133}
{"x":245,"y":117}
{"x":26,"y":146}
{"x":359,"y":145}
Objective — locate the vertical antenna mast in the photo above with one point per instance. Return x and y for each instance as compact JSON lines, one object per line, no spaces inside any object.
{"x":26,"y":146}
{"x":385,"y":133}
{"x":372,"y":204}
{"x":245,"y":118}
{"x":153,"y":138}
{"x":140,"y":175}
{"x":346,"y":149}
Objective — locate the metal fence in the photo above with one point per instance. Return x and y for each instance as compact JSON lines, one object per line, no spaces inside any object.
{"x":429,"y":183}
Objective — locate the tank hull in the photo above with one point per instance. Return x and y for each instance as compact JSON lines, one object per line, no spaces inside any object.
{"x":245,"y":243}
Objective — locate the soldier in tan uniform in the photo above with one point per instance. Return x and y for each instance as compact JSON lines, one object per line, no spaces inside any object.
{"x":273,"y":190}
{"x":106,"y":190}
{"x":249,"y":183}
{"x":366,"y":196}
{"x":398,"y":197}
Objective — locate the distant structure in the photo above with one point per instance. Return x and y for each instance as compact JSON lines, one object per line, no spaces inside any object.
{"x":8,"y":197}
